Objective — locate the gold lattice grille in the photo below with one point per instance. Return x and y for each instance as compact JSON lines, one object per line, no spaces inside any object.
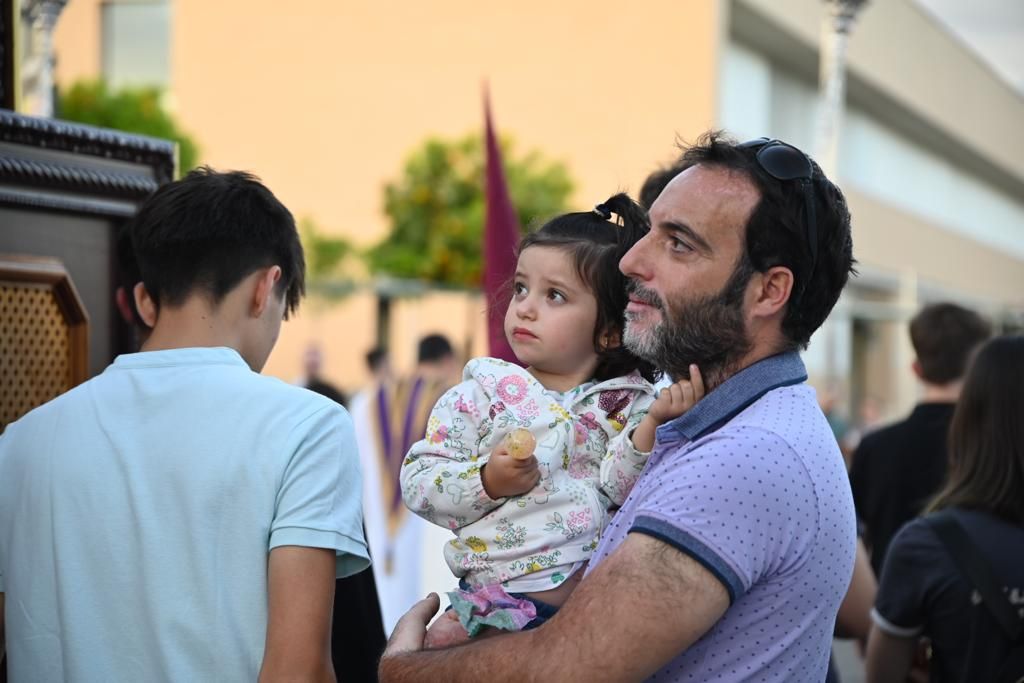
{"x":35,"y":349}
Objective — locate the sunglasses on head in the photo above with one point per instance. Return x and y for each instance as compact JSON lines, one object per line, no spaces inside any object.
{"x":783,"y":161}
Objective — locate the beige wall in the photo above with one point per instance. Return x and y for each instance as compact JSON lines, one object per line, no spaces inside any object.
{"x":325,"y":99}
{"x":890,"y":239}
{"x":76,"y":40}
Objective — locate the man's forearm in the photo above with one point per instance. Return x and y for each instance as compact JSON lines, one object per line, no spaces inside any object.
{"x":492,"y":659}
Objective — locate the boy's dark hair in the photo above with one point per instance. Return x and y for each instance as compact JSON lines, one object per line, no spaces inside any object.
{"x":433,"y":348}
{"x":776,"y":232}
{"x":944,"y":335}
{"x":210,"y":230}
{"x":596,"y":245}
{"x":986,"y":435}
{"x":656,"y":182}
{"x":128,"y":271}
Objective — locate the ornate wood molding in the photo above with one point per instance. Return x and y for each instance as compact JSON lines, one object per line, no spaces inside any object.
{"x":65,"y":166}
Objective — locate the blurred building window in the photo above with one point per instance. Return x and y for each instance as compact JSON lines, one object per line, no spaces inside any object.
{"x":760,"y":97}
{"x":136,"y":42}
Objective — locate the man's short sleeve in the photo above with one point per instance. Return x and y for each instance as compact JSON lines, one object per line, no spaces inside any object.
{"x":910,"y":562}
{"x":319,"y":502}
{"x":738,"y":503}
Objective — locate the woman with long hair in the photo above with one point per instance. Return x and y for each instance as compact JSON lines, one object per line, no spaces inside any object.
{"x":969,"y":544}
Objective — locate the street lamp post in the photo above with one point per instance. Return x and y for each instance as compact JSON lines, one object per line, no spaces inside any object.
{"x":40,"y":17}
{"x":835,"y":32}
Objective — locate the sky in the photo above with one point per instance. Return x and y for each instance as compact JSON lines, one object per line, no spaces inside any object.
{"x":994,"y":29}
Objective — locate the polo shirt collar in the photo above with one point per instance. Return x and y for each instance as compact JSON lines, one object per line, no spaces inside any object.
{"x":735,"y":394}
{"x":205,"y":355}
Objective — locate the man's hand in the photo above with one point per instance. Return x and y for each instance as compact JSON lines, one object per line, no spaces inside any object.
{"x":411,"y":628}
{"x":672,"y":401}
{"x":504,"y":475}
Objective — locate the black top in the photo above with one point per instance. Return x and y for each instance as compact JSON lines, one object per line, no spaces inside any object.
{"x":922,"y":592}
{"x":895,"y":472}
{"x":327,"y":389}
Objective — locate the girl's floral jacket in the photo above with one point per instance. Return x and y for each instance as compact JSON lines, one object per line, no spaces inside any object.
{"x":587,"y":463}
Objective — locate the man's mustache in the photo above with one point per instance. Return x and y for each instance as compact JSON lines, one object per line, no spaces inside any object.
{"x":644,"y":295}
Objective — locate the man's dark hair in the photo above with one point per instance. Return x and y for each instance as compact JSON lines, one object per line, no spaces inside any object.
{"x":209,"y":231}
{"x":776,"y":234}
{"x":944,"y":335}
{"x":596,"y":244}
{"x":375,"y":357}
{"x":656,"y":182}
{"x":434,"y":348}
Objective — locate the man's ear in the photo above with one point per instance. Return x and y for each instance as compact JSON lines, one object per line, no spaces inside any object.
{"x":918,"y":370}
{"x":265,"y":284}
{"x":774,"y":288}
{"x":145,"y":305}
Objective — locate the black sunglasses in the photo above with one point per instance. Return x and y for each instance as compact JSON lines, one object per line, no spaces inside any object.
{"x":783,"y":161}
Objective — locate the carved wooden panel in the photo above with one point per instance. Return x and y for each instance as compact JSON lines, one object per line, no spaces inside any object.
{"x":43,"y":335}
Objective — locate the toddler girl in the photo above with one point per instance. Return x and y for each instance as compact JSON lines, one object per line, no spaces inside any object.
{"x":525,"y":525}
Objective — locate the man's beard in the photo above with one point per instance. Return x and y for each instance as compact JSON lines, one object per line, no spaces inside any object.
{"x":708,"y":331}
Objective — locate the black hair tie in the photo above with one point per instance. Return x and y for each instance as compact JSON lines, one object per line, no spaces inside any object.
{"x":603,"y":211}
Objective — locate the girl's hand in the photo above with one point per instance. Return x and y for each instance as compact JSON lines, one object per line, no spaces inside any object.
{"x":672,"y":402}
{"x":504,"y":475}
{"x":676,"y":399}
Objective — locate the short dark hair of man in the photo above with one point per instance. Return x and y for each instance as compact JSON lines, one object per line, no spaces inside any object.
{"x":210,"y":230}
{"x":434,"y":348}
{"x":375,"y":358}
{"x":776,"y":234}
{"x":944,"y":336}
{"x":656,"y":183}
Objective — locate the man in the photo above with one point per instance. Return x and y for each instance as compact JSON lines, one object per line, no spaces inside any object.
{"x":389,"y":417}
{"x":180,"y":517}
{"x":896,"y":470}
{"x":730,"y":557}
{"x":312,"y":365}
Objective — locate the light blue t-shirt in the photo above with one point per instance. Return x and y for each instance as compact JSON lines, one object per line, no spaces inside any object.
{"x":137,"y":512}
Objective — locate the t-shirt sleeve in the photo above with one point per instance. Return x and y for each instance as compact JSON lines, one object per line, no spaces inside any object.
{"x":319,"y":502}
{"x":910,"y":564}
{"x":739,"y":504}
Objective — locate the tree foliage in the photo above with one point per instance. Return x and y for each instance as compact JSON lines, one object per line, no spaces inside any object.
{"x":324,"y":254}
{"x":437,"y":209}
{"x":133,"y":110}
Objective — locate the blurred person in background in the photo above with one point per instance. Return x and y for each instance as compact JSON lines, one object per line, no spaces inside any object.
{"x":956,"y":575}
{"x":312,"y":366}
{"x":390,"y":415}
{"x":895,"y":470}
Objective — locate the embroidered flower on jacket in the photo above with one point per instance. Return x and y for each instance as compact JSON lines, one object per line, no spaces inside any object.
{"x":613,"y":401}
{"x":581,"y":434}
{"x":512,"y":389}
{"x":468,"y":407}
{"x":589,"y":421}
{"x":439,"y":435}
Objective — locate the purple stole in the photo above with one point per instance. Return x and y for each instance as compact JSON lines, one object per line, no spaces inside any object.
{"x":400,"y":414}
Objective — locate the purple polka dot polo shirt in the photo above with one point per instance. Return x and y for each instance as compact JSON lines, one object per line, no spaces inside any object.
{"x":751,"y":484}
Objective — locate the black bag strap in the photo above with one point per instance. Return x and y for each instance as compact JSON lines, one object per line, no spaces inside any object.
{"x":971,"y":563}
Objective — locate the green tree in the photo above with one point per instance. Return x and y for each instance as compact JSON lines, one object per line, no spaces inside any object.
{"x":437,"y":209}
{"x":133,"y":110}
